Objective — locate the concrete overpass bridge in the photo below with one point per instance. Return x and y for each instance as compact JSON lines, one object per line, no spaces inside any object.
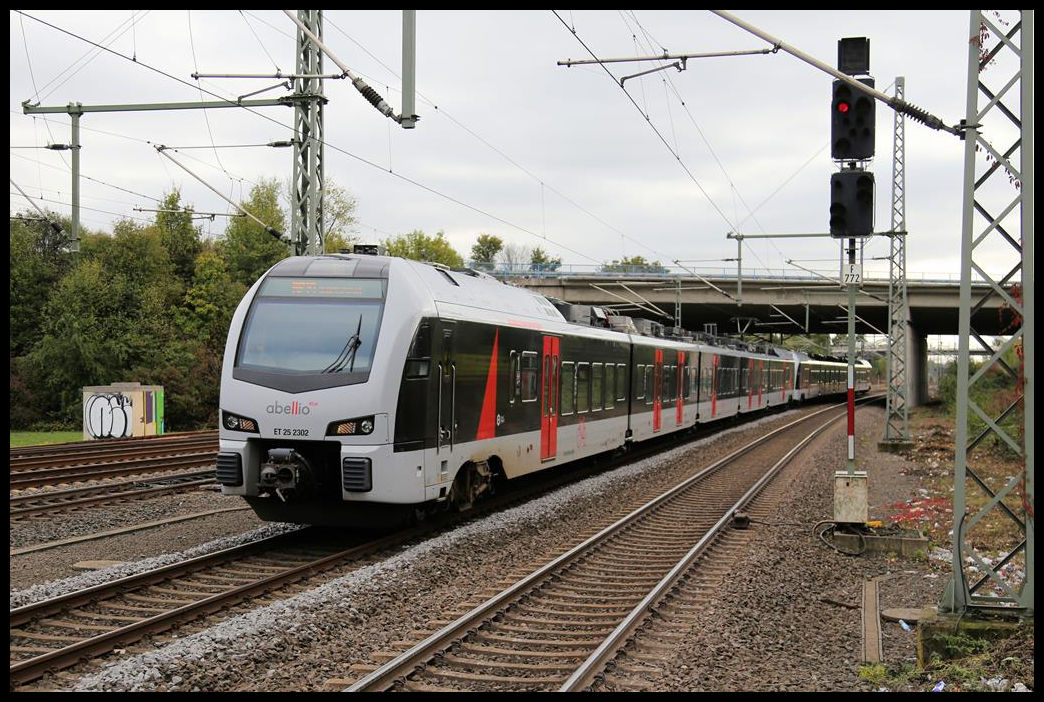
{"x":772,"y":305}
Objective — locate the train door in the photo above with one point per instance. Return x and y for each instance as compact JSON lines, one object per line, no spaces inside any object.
{"x":657,"y":388}
{"x":750,"y":383}
{"x":761,"y":380}
{"x":679,"y":380}
{"x":446,"y":419}
{"x":714,"y":386}
{"x":549,"y":391}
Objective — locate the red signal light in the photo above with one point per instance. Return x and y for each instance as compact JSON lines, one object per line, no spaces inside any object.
{"x":842,"y":107}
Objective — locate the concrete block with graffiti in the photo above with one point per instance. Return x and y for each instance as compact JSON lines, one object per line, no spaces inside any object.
{"x":122,"y":410}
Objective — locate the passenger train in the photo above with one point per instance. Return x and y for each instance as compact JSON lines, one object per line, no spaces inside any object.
{"x":355,"y":386}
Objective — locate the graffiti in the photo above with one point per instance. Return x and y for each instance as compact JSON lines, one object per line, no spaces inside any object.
{"x":108,"y":416}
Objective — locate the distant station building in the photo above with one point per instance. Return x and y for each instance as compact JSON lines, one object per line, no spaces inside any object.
{"x":122,"y":410}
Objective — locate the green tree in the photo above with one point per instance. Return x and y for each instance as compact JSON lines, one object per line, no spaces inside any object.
{"x":811,"y":343}
{"x":249,"y":248}
{"x":190,"y":371}
{"x":39,"y":258}
{"x":540,"y":261}
{"x":485,"y":250}
{"x":420,"y":247}
{"x":633,"y":264}
{"x":339,"y":208}
{"x":178,"y":236}
{"x":338,"y":217}
{"x":106,"y":321}
{"x":335,"y":243}
{"x":210,"y":301}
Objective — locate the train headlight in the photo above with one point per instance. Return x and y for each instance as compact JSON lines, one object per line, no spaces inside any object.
{"x":236,"y":423}
{"x":360,"y":426}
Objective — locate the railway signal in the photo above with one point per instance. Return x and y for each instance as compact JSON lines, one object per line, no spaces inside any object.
{"x":851,"y":204}
{"x":852,"y":117}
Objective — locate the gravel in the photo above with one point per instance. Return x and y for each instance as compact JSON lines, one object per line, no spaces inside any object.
{"x":89,"y":520}
{"x":768,"y":628}
{"x":58,"y":587}
{"x":299,"y":642}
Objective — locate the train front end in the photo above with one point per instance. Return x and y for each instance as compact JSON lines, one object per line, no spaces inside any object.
{"x":314,"y":352}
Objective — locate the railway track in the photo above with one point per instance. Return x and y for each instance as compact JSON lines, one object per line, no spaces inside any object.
{"x":61,"y":475}
{"x":63,"y":631}
{"x":51,"y":501}
{"x":106,"y":451}
{"x":558,"y":627}
{"x":60,"y":632}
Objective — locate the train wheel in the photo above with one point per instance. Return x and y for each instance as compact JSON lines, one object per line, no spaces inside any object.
{"x":473,"y":480}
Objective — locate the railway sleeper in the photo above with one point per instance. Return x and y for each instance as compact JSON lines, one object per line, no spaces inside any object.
{"x":483,"y":635}
{"x":494,"y":664}
{"x":525,"y":653}
{"x":483,"y":677}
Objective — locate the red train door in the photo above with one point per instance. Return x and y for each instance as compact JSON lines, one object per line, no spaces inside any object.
{"x":714,"y":386}
{"x":657,"y":388}
{"x":761,"y":380}
{"x":549,"y":399}
{"x":679,"y":388}
{"x":750,"y":383}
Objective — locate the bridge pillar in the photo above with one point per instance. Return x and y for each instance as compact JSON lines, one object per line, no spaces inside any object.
{"x":917,"y":368}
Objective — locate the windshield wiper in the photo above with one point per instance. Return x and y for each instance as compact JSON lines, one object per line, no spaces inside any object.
{"x":347,"y":354}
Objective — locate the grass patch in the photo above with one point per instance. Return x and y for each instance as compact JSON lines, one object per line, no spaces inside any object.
{"x":36,"y":438}
{"x":875,"y":673}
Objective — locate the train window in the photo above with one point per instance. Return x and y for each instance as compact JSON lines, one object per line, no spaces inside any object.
{"x":648,"y":385}
{"x":610,"y":385}
{"x":706,"y":376}
{"x":639,"y":392}
{"x":583,"y":387}
{"x":568,"y":401}
{"x":597,"y":387}
{"x":548,"y":405}
{"x":728,"y":384}
{"x":418,"y":358}
{"x":530,"y":376}
{"x":289,"y":331}
{"x":621,"y":382}
{"x":515,"y":377}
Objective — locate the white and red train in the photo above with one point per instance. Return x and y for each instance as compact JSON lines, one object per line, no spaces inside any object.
{"x":353,"y":383}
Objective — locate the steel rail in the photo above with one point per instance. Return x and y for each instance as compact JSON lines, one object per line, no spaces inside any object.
{"x":399,"y":667}
{"x":586,"y":673}
{"x":66,"y":498}
{"x":50,"y":476}
{"x":29,"y":669}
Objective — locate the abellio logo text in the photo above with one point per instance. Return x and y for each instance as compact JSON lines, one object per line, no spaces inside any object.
{"x":292,"y":408}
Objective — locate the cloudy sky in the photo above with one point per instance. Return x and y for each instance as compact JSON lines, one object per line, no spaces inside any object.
{"x":509,"y":142}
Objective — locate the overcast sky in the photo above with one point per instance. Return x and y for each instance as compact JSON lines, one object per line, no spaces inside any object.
{"x":509,"y":142}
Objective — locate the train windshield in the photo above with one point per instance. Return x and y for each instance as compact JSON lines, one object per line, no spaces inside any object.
{"x":313,"y":327}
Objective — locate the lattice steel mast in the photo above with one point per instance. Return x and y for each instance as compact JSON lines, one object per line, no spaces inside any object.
{"x":306,"y":218}
{"x":983,"y":581}
{"x":897,"y":424}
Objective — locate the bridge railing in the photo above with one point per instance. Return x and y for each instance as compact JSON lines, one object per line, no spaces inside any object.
{"x":609,"y":271}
